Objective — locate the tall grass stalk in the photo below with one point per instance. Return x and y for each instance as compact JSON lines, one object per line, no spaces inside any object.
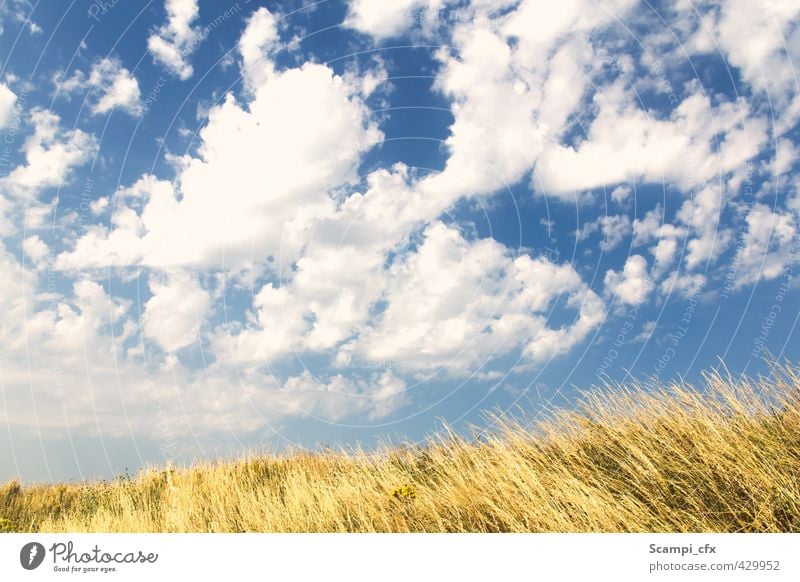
{"x":655,"y":458}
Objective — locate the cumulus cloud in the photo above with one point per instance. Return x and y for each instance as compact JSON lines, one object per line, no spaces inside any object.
{"x":454,"y":305}
{"x":259,"y":37}
{"x":685,"y":285}
{"x":35,"y":249}
{"x":382,"y":19}
{"x":260,"y":180}
{"x":51,"y":155}
{"x":767,"y":246}
{"x":13,"y":303}
{"x":515,"y":78}
{"x":620,"y":194}
{"x":79,"y":358}
{"x":361,"y":272}
{"x":176,"y":311}
{"x":8,"y":100}
{"x":614,"y":228}
{"x":761,"y":38}
{"x":506,"y":78}
{"x":174,"y":42}
{"x":631,"y":286}
{"x":55,"y":345}
{"x":341,"y":272}
{"x":703,"y":215}
{"x":343,"y":277}
{"x":338,"y":397}
{"x":6,"y":225}
{"x":625,"y":142}
{"x":110,"y":86}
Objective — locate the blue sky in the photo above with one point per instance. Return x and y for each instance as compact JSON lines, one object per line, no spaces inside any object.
{"x":294,"y":224}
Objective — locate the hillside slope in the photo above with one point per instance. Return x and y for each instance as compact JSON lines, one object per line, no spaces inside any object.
{"x":725,"y":457}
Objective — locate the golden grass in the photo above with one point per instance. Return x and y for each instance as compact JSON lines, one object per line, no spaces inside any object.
{"x":629,"y":459}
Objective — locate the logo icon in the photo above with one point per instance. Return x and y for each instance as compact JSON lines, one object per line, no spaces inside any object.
{"x":31,"y":555}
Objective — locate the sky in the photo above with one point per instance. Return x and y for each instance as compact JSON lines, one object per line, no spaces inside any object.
{"x":256,"y":226}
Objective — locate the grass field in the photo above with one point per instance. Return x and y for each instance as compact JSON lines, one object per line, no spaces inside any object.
{"x":724,"y":457}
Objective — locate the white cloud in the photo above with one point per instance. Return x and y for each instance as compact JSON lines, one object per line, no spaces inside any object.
{"x":338,"y":397}
{"x":698,"y":224}
{"x":51,"y":154}
{"x":99,"y":205}
{"x":685,"y":285}
{"x":450,"y":303}
{"x":664,"y":254}
{"x":14,"y":304}
{"x":372,"y":276}
{"x":702,"y":214}
{"x":110,"y":85}
{"x":175,"y":313}
{"x":280,"y":325}
{"x":261,"y":179}
{"x":647,"y":331}
{"x":766,"y":247}
{"x":654,"y":226}
{"x":258,"y":39}
{"x":787,"y":155}
{"x":624,"y":143}
{"x":35,"y":249}
{"x":173,"y":43}
{"x":762,"y":39}
{"x":620,"y":194}
{"x":614,"y":228}
{"x":515,"y":78}
{"x":74,"y":365}
{"x":79,"y":360}
{"x":455,"y":305}
{"x":341,"y":272}
{"x":505,"y":107}
{"x":6,"y":225}
{"x":8,"y":101}
{"x":506,"y":77}
{"x":384,"y":19}
{"x":79,"y":325}
{"x":370,"y":80}
{"x":19,"y":12}
{"x":633,"y":285}
{"x":334,"y":253}
{"x":35,"y":215}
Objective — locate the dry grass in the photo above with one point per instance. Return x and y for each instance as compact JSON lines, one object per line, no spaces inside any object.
{"x":667,"y":458}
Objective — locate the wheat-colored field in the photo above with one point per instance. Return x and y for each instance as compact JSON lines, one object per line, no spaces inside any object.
{"x":722,"y":458}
